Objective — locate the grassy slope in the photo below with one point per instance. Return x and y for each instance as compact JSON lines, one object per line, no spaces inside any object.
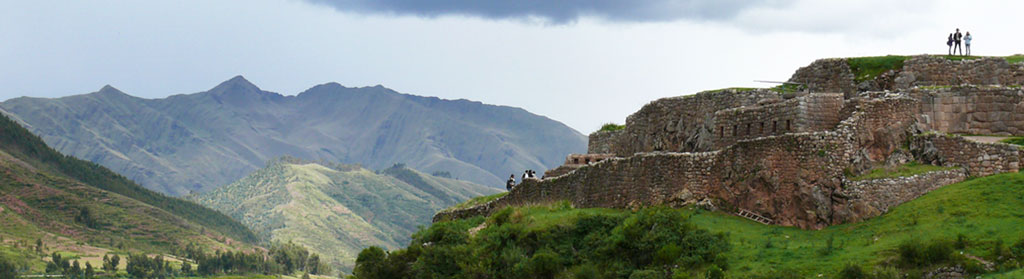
{"x":40,"y":205}
{"x":22,"y":144}
{"x":334,"y":212}
{"x":985,"y":210}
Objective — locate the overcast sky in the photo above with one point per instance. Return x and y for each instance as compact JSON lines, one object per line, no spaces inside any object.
{"x":582,"y":62}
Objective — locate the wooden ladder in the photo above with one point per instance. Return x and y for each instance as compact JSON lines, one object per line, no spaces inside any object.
{"x":755,"y":217}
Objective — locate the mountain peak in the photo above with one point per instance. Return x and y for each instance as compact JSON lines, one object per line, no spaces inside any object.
{"x":109,"y":89}
{"x":238,"y":90}
{"x":235,"y":83}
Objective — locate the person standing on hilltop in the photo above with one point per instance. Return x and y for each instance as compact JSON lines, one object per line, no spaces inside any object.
{"x":956,"y":40}
{"x":949,"y":43}
{"x":511,"y":182}
{"x":967,"y":43}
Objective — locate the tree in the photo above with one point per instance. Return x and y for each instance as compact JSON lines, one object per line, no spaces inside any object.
{"x":85,"y":217}
{"x":114,"y":261}
{"x":76,"y":270}
{"x":89,"y":272}
{"x":186,"y":268}
{"x":370,"y":263}
{"x":39,"y":245}
{"x":7,"y":269}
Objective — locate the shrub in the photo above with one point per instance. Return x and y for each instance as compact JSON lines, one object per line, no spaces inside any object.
{"x":938,"y":252}
{"x":645,"y":274}
{"x":961,"y":242}
{"x":611,"y":127}
{"x":852,"y":271}
{"x":544,"y":264}
{"x":910,"y":253}
{"x":714,"y":272}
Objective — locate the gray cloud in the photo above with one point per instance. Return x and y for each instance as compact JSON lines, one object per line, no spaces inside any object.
{"x":559,"y":11}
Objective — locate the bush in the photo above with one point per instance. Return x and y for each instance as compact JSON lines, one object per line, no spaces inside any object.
{"x":852,"y":272}
{"x":938,"y":252}
{"x":645,"y":274}
{"x":714,"y":272}
{"x":910,"y":253}
{"x":544,"y":264}
{"x":913,"y":253}
{"x":611,"y":127}
{"x":7,"y":269}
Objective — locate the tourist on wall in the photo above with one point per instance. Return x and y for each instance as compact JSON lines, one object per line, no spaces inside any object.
{"x":949,"y":43}
{"x":967,"y":43}
{"x":956,"y":41}
{"x":511,"y":182}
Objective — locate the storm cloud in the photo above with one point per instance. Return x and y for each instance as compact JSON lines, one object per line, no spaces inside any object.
{"x":560,"y":11}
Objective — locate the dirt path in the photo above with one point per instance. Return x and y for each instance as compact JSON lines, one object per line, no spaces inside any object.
{"x":985,"y":139}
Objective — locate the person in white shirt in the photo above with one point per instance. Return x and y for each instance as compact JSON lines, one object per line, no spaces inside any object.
{"x":967,"y":43}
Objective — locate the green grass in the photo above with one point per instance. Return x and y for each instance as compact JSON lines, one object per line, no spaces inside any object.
{"x":1016,"y":274}
{"x":984,"y":210}
{"x":787,"y":88}
{"x":908,"y":169}
{"x":476,"y":201}
{"x":1014,"y":141}
{"x":1015,"y":58}
{"x":960,"y":57}
{"x":867,"y":68}
{"x":736,"y":89}
{"x":611,"y":127}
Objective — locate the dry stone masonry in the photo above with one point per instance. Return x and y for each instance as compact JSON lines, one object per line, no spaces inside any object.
{"x":786,"y":158}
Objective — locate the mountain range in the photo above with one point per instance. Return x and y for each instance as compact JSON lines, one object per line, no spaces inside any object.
{"x":336,"y":210}
{"x":195,"y":142}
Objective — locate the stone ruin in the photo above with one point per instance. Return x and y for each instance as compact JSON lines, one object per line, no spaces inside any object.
{"x":786,"y":157}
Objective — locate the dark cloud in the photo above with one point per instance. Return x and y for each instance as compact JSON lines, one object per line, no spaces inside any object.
{"x":559,"y":11}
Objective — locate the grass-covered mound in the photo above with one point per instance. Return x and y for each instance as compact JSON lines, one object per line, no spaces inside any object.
{"x":980,"y":218}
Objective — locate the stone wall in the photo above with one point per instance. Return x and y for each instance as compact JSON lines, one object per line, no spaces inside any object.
{"x":879,"y":195}
{"x":600,"y":142}
{"x":789,"y":178}
{"x":795,"y":179}
{"x":821,"y":111}
{"x":984,"y":110}
{"x":827,"y":75}
{"x":809,"y":113}
{"x":681,"y":124}
{"x":575,"y":161}
{"x":938,"y":71}
{"x":980,"y":159}
{"x":750,"y":122}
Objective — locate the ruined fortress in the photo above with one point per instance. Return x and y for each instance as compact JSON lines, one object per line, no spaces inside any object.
{"x":786,"y":157}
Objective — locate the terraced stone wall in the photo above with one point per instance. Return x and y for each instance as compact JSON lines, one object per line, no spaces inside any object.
{"x":980,"y":159}
{"x":939,"y":71}
{"x":681,"y":124}
{"x":827,"y":75}
{"x":810,"y":113}
{"x":877,"y":196}
{"x":983,"y":110}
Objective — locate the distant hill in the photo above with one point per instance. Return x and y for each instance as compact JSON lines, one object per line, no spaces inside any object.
{"x":199,"y":141}
{"x":79,"y":207}
{"x":337,"y":210}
